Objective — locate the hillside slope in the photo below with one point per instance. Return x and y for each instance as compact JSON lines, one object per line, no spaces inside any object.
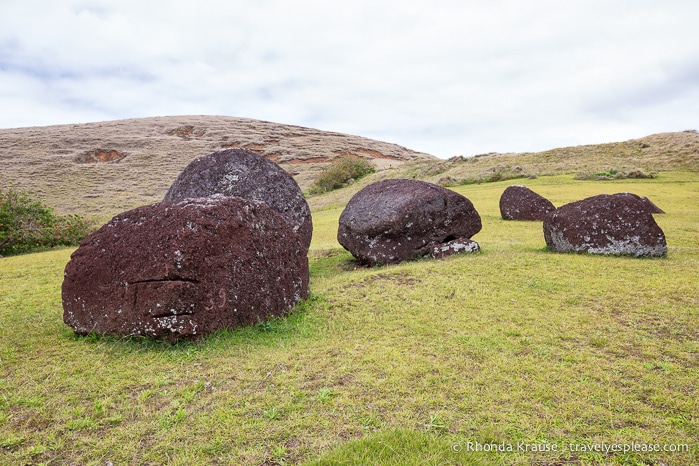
{"x":650,"y":154}
{"x":101,"y":169}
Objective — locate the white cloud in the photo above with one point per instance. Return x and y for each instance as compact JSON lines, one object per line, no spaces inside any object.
{"x":450,"y":78}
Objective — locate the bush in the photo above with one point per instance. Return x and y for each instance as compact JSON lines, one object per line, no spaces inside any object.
{"x":26,"y":224}
{"x":340,"y":173}
{"x":499,"y":172}
{"x":614,"y":174}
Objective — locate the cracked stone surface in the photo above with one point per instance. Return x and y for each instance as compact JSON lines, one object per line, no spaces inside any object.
{"x":518,"y":202}
{"x":617,"y":224}
{"x":400,"y":219}
{"x":243,"y":173}
{"x":182,"y":269}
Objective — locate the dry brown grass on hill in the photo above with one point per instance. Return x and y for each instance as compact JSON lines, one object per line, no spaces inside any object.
{"x":655,"y":153}
{"x":102,"y":169}
{"x":651,"y":154}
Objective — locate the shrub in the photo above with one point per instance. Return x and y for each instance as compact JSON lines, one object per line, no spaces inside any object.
{"x":26,"y":224}
{"x":499,"y":172}
{"x":614,"y":174}
{"x":341,"y":172}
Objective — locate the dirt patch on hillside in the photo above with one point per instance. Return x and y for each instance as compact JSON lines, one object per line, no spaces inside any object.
{"x":100,"y":156}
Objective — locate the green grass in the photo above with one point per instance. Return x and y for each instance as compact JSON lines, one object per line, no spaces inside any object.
{"x":398,"y":365}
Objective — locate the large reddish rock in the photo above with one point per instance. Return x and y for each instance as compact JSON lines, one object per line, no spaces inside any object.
{"x":518,"y":202}
{"x":184,"y":269}
{"x":399,"y":219}
{"x":243,"y":173}
{"x":617,"y":224}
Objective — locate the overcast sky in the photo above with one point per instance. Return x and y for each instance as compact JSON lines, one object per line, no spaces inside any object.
{"x":444,"y":77}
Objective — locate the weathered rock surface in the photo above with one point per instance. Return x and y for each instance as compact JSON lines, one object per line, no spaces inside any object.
{"x":242,"y":173}
{"x":399,"y":219}
{"x":650,"y":205}
{"x":521,"y":203}
{"x":184,"y":269}
{"x":617,"y":224}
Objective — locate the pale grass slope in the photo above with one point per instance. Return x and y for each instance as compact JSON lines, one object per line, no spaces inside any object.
{"x":47,"y":160}
{"x":678,"y":151}
{"x":655,"y":154}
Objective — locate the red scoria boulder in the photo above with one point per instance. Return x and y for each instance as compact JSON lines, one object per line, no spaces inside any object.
{"x":399,"y":219}
{"x":243,"y":173}
{"x":521,"y":203}
{"x":617,"y":224}
{"x":182,"y":269}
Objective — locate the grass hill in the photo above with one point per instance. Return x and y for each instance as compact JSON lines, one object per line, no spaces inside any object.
{"x":655,"y":153}
{"x":101,"y":169}
{"x":644,"y":157}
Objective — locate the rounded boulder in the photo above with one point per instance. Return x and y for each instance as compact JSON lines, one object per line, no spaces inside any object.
{"x":243,"y":173}
{"x":400,"y":219}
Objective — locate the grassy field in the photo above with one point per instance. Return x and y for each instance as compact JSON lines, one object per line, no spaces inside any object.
{"x":413,"y":364}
